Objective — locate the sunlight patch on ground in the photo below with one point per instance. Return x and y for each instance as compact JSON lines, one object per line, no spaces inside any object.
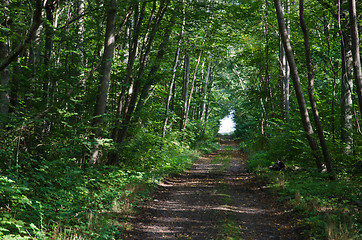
{"x":227,"y":124}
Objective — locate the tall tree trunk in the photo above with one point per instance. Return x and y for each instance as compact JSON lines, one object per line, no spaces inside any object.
{"x":172,"y":84}
{"x":284,"y":71}
{"x":297,"y":85}
{"x":346,"y":85}
{"x":313,"y":103}
{"x":4,"y":74}
{"x":185,"y":89}
{"x":334,"y":69}
{"x":203,"y":107}
{"x":81,"y":30}
{"x":49,"y":12}
{"x":151,"y":79}
{"x":267,"y":78}
{"x":191,"y":90}
{"x":4,"y":82}
{"x":144,"y":59}
{"x":355,"y":51}
{"x":105,"y":74}
{"x":128,"y":82}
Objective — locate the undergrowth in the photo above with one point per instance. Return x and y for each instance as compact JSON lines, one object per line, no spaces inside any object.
{"x":62,"y":199}
{"x":330,"y":209}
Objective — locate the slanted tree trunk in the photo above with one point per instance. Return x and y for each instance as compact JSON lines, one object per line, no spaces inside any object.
{"x":188,"y":105}
{"x":313,"y":103}
{"x":152,"y":28}
{"x":297,"y":85}
{"x":355,"y":51}
{"x":151,"y":79}
{"x":132,"y":53}
{"x":30,"y":35}
{"x":105,"y":74}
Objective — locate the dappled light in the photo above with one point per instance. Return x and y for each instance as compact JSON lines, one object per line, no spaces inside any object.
{"x":205,"y":201}
{"x":185,"y":119}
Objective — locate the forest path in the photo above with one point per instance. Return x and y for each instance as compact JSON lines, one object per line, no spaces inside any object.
{"x":216,"y":199}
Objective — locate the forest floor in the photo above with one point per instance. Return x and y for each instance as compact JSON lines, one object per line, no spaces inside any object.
{"x":215,"y":199}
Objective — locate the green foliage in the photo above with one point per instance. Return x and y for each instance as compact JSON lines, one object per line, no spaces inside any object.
{"x":63,"y":199}
{"x":330,"y":207}
{"x":258,"y":161}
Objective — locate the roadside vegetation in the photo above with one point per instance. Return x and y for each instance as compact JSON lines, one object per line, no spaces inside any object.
{"x":101,"y":99}
{"x":327,"y":209}
{"x":61,"y":200}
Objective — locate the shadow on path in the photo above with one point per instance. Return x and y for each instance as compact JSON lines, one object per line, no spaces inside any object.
{"x":216,"y":199}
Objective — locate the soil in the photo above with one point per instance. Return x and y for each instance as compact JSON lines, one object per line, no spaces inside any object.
{"x":216,"y":199}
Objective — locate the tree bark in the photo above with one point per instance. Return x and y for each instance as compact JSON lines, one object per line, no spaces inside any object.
{"x":144,"y":56}
{"x":284,"y":72}
{"x":4,"y":75}
{"x":313,"y":103}
{"x":188,"y":105}
{"x":105,"y":74}
{"x":132,"y":53}
{"x":203,"y":107}
{"x":297,"y":85}
{"x":346,"y":85}
{"x":4,"y":82}
{"x":185,"y":89}
{"x":355,"y":51}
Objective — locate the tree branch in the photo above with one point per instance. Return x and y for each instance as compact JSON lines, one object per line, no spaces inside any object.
{"x":34,"y":27}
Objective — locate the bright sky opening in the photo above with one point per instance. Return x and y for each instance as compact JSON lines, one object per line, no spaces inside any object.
{"x":227,"y":124}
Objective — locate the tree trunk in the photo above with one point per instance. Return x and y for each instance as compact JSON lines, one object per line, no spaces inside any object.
{"x":334,"y":69}
{"x":191,"y":91}
{"x":4,"y":75}
{"x":203,"y":107}
{"x":49,"y":10}
{"x":355,"y":51}
{"x":144,"y":56}
{"x":346,"y":86}
{"x":151,"y":79}
{"x":132,"y":53}
{"x":169,"y":97}
{"x":105,"y":73}
{"x":267,"y":78}
{"x":297,"y":85}
{"x":4,"y":82}
{"x":284,"y":72}
{"x":185,"y":89}
{"x":313,"y":103}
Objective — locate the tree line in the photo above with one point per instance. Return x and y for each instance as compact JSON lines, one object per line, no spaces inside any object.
{"x":132,"y":84}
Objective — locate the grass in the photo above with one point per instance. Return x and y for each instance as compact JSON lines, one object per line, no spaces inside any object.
{"x":223,"y":158}
{"x":228,"y":227}
{"x":331,"y":209}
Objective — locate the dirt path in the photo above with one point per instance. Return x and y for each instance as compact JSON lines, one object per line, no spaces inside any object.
{"x":215,"y":199}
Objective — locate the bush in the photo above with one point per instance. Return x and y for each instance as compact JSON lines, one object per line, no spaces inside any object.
{"x":258,"y":161}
